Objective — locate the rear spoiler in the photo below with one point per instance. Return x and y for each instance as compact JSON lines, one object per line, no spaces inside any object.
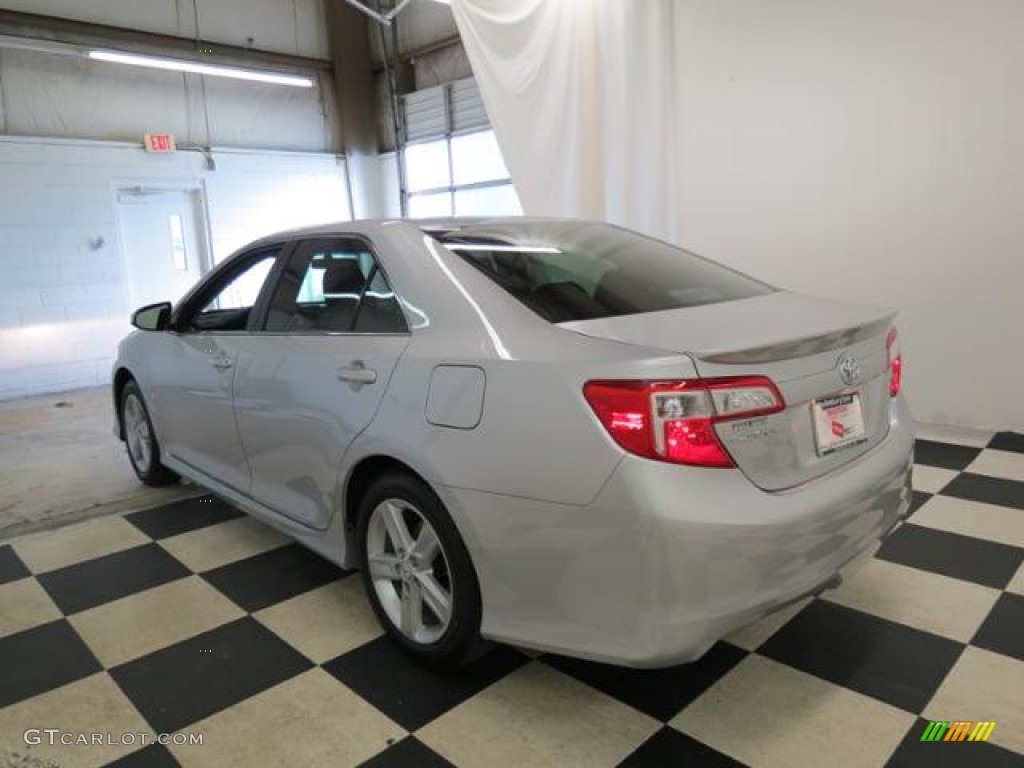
{"x":788,"y":350}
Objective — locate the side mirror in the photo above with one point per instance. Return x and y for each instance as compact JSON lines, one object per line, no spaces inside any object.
{"x":152,"y":317}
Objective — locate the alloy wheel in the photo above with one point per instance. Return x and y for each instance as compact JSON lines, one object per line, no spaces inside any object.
{"x":409,"y":570}
{"x":136,"y":432}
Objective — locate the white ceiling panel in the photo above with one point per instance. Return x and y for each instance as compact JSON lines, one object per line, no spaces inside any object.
{"x":159,"y":16}
{"x":283,"y":26}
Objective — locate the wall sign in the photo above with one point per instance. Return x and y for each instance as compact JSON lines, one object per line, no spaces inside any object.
{"x":160,"y":142}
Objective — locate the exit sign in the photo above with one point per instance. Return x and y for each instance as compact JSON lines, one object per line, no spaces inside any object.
{"x":159,"y":142}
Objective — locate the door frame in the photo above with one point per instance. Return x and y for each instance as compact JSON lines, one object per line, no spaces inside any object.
{"x":204,"y":231}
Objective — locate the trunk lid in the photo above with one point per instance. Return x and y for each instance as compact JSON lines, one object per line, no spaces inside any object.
{"x":802,"y":344}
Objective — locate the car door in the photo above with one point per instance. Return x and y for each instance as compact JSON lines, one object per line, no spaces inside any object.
{"x":193,"y":377}
{"x":312,"y":377}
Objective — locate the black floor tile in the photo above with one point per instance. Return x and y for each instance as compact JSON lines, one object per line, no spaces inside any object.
{"x":407,"y":753}
{"x":195,"y":678}
{"x":11,"y":567}
{"x":94,"y":582}
{"x":963,"y":557}
{"x":1003,"y":630}
{"x":991,"y":490}
{"x":182,"y":516}
{"x":917,"y":499}
{"x":409,"y":694}
{"x":944,"y":455}
{"x":153,"y":756}
{"x":914,"y":753}
{"x":41,"y":659}
{"x":669,"y":747}
{"x":1008,"y":441}
{"x":273,"y":576}
{"x":889,"y":661}
{"x":661,"y":693}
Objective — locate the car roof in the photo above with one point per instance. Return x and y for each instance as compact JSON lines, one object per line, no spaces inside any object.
{"x":369,"y":226}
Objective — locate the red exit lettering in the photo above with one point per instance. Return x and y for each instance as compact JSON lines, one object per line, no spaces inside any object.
{"x":159,"y":142}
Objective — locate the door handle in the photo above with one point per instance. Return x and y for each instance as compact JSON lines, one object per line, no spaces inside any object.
{"x":221,"y":363}
{"x":357,"y":373}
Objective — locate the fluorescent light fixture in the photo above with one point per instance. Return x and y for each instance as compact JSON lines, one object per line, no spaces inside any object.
{"x":181,"y":65}
{"x":502,"y":248}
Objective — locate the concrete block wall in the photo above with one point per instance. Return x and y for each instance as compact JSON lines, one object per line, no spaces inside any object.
{"x":63,"y":297}
{"x":251,"y":196}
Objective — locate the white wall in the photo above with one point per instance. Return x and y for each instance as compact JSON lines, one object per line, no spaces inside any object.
{"x":63,"y":304}
{"x":389,"y":202}
{"x":872,"y":150}
{"x":251,"y":195}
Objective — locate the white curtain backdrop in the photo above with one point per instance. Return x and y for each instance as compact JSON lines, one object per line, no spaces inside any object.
{"x":869,"y":151}
{"x":584,"y":97}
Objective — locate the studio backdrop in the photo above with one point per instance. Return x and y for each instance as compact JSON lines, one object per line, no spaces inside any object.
{"x":868,"y":151}
{"x":571,"y":87}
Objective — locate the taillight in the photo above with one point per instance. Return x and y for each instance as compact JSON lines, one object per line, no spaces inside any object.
{"x":893,"y":361}
{"x":674,"y":420}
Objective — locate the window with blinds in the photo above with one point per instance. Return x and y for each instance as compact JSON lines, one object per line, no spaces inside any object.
{"x":453,"y":165}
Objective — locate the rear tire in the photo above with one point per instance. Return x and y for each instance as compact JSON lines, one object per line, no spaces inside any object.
{"x":140,"y":439}
{"x":417,"y":572}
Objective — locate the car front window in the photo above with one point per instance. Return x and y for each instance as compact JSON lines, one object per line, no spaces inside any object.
{"x":227,"y":304}
{"x":244,"y":289}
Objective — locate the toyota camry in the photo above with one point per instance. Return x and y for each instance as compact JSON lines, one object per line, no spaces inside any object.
{"x":554,"y":433}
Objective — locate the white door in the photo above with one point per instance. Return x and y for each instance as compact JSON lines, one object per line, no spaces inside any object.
{"x":164,"y":254}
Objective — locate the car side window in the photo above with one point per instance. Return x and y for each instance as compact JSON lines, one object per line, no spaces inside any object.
{"x":229,"y":302}
{"x":334,"y":286}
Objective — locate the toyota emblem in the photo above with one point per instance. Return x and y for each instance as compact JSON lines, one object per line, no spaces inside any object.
{"x":849,"y":369}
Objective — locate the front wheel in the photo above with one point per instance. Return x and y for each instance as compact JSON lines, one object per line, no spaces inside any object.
{"x":140,"y":440}
{"x":418,"y":573}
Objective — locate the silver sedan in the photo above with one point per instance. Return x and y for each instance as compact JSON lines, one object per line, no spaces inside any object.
{"x":553,"y":433}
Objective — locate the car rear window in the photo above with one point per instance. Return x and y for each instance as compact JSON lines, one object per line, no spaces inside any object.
{"x":566,"y":271}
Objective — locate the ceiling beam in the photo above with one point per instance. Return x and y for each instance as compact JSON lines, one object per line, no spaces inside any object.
{"x":87,"y":34}
{"x":409,"y":57}
{"x":438,"y":45}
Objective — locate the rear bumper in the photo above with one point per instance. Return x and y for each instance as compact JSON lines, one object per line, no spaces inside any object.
{"x":669,"y":559}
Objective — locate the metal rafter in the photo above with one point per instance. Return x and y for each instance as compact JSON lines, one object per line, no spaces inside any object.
{"x":383,"y":18}
{"x":38,"y":31}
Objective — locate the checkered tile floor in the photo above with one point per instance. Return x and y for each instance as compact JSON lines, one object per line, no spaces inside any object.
{"x":194,"y":618}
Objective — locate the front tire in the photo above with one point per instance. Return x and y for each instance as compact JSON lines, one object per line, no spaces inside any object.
{"x":140,"y":439}
{"x":417,"y":572}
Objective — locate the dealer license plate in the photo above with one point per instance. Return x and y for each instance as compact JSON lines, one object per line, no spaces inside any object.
{"x":838,"y":422}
